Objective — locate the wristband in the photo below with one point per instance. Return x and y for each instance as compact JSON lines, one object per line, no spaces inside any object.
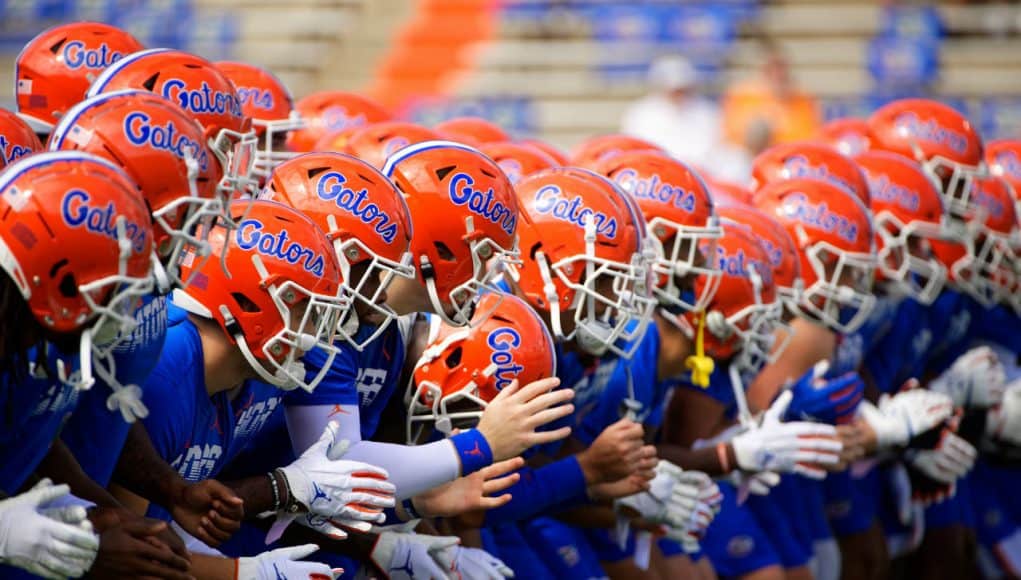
{"x":473,"y":449}
{"x":409,"y":508}
{"x":721,"y":454}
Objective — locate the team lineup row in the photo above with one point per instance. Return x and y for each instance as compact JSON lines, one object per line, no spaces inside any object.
{"x":252,"y":338}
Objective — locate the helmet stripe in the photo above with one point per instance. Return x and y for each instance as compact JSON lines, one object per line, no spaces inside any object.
{"x":417,"y":148}
{"x":104,"y":78}
{"x":50,"y":157}
{"x":68,"y":121}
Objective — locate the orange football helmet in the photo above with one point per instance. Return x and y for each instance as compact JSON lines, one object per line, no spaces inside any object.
{"x":282,"y":297}
{"x":472,"y":131}
{"x":745,"y":311}
{"x":327,"y":112}
{"x":778,"y":245}
{"x":586,"y":246}
{"x":832,"y":231}
{"x":377,"y":142}
{"x":849,"y":135}
{"x":728,"y":192}
{"x":202,"y":90}
{"x":267,"y":102}
{"x":808,"y":160}
{"x":1003,"y":158}
{"x":464,"y":368}
{"x":681,"y":222}
{"x":365,"y":218}
{"x":465,"y":213}
{"x":54,"y":70}
{"x":978,"y":264}
{"x":591,"y":151}
{"x":943,"y":141}
{"x":518,"y":160}
{"x":76,"y":239}
{"x":908,"y":213}
{"x":16,"y":139}
{"x":162,"y":149}
{"x":559,"y":156}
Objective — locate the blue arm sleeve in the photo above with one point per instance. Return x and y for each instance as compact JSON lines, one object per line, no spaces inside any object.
{"x":554,"y":487}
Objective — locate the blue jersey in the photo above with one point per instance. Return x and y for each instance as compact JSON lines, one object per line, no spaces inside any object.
{"x":950,"y":322}
{"x":720,"y":389}
{"x":367,"y":378}
{"x":852,"y":347}
{"x":195,"y":433}
{"x":34,"y":410}
{"x":626,"y":379}
{"x":998,"y":325}
{"x":96,"y":435}
{"x":891,"y":360}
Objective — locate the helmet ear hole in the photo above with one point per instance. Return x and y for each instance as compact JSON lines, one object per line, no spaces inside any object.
{"x":246,"y":304}
{"x":454,"y":358}
{"x":68,"y":287}
{"x":316,"y":171}
{"x":443,"y":251}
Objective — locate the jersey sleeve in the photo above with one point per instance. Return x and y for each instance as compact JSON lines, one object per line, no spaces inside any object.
{"x":338,"y":387}
{"x":169,"y":391}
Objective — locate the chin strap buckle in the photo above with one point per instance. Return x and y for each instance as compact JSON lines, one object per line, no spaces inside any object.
{"x":700,"y":365}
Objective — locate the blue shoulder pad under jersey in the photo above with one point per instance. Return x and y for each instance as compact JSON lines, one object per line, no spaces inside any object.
{"x":998,"y":325}
{"x":852,"y":348}
{"x":951,"y":325}
{"x":367,"y":378}
{"x":633,"y":379}
{"x":891,"y":359}
{"x":95,"y":435}
{"x":35,"y":409}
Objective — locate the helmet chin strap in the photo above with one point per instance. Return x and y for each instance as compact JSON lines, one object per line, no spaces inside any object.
{"x":85,"y":379}
{"x":160,"y":276}
{"x":282,"y":378}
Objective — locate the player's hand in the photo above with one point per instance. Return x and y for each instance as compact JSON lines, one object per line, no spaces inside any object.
{"x":1004,"y":420}
{"x":899,"y":419}
{"x":48,"y":542}
{"x":471,"y":493}
{"x":629,"y":485}
{"x":976,"y":380}
{"x":350,"y":492}
{"x":285,"y":564}
{"x":134,"y":549}
{"x":758,"y":483}
{"x":512,"y":420}
{"x":472,"y":563}
{"x":208,"y":510}
{"x":949,"y":461}
{"x":618,"y":452}
{"x":796,"y":447}
{"x":674,"y":496}
{"x":832,"y":401}
{"x":407,"y":556}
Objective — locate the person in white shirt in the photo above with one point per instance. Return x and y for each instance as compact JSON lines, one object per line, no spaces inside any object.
{"x":673,"y":115}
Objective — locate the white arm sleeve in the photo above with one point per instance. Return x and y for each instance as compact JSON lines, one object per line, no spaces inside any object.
{"x":413,"y":469}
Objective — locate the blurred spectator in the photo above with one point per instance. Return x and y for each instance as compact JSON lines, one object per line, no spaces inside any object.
{"x":673,"y":115}
{"x":771,"y":97}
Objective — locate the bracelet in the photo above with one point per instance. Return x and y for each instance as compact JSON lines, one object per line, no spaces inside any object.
{"x":721,"y":454}
{"x":276,"y":491}
{"x":290,"y":506}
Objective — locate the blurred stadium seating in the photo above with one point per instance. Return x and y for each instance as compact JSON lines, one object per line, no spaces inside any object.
{"x":567,"y":68}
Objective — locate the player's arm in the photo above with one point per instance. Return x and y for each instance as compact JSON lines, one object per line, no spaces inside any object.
{"x":809,"y":344}
{"x":61,"y":466}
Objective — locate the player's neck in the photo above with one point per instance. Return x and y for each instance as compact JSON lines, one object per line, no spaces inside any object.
{"x":223,"y":364}
{"x":674,"y":349}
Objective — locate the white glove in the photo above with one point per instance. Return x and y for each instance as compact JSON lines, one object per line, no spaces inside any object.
{"x":787,"y":447}
{"x":326,"y":485}
{"x":708,"y":499}
{"x":759,"y":483}
{"x":472,"y":563}
{"x":284,"y":564}
{"x":905,"y":415}
{"x":403,"y":556}
{"x":1005,"y":420}
{"x":976,"y":380}
{"x":52,"y":543}
{"x":948,"y":462}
